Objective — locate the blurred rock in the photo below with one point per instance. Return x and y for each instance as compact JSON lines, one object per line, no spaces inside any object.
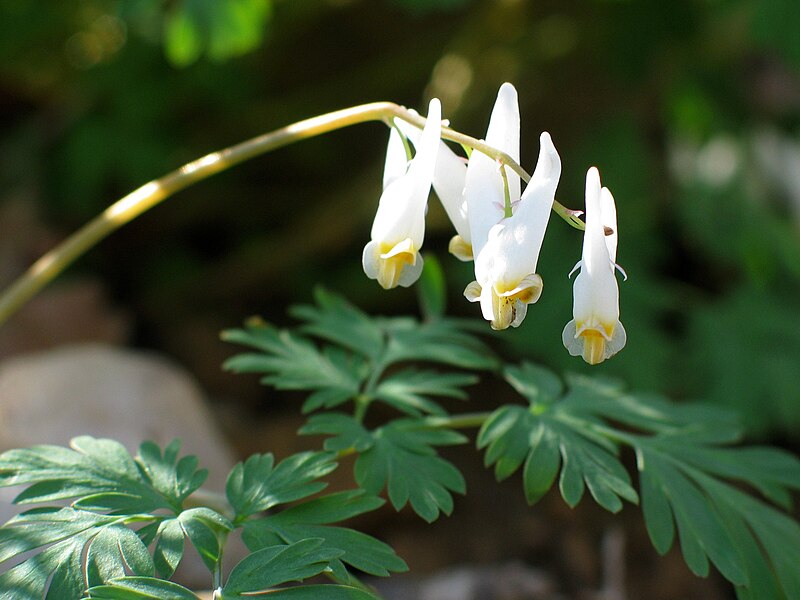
{"x":103,"y":391}
{"x":512,"y":581}
{"x":69,"y":313}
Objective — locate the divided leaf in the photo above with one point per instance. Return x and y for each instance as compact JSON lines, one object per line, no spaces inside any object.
{"x":403,"y":460}
{"x":291,"y":362}
{"x":684,"y":467}
{"x":75,"y":542}
{"x":441,"y":340}
{"x":312,"y":519}
{"x":399,"y":456}
{"x":257,"y":485}
{"x":335,"y":320}
{"x":140,"y":588}
{"x":408,"y":391}
{"x":100,"y":474}
{"x":274,"y":565}
{"x":514,"y":434}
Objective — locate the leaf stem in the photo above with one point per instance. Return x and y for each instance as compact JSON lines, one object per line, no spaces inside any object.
{"x":213,"y":500}
{"x":355,"y":582}
{"x":46,"y":268}
{"x":462,"y":421}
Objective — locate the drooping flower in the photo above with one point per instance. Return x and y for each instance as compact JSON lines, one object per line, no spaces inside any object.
{"x":505,"y":269}
{"x":392,"y":255}
{"x":595,"y":332}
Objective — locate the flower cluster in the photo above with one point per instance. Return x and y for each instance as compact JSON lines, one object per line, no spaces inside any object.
{"x":498,"y":226}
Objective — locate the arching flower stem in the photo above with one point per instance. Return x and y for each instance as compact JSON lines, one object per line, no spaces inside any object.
{"x":46,"y":268}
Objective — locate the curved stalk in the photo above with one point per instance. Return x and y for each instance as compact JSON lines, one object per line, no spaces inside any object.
{"x":150,"y":194}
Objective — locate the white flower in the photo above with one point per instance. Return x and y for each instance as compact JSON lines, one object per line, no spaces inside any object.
{"x":392,"y":256}
{"x":505,"y":269}
{"x":595,"y":332}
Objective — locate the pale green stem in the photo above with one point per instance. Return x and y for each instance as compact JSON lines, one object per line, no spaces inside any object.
{"x":213,"y":500}
{"x":462,"y":421}
{"x":149,"y":195}
{"x":507,"y":208}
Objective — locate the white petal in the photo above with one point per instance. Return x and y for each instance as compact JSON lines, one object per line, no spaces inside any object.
{"x":370,"y":258}
{"x":411,"y":273}
{"x":400,"y":215}
{"x":396,"y":159}
{"x":617,"y":342}
{"x":595,"y":251}
{"x":459,"y":248}
{"x":503,"y":132}
{"x":487,"y":304}
{"x":473,"y":291}
{"x":422,"y":167}
{"x":512,"y":248}
{"x":572,"y":342}
{"x":401,"y":209}
{"x":520,"y":311}
{"x":449,"y":178}
{"x":608,"y":216}
{"x":484,"y":191}
{"x":537,"y":202}
{"x":485,"y":198}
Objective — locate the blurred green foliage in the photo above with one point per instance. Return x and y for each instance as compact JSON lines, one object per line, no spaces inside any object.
{"x":690,"y":110}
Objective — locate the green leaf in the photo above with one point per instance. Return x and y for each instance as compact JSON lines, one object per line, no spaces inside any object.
{"x":291,"y":362}
{"x":311,"y":520}
{"x":347,"y":432}
{"x":174,"y":477}
{"x":141,"y":588}
{"x":751,"y":543}
{"x":114,"y":549}
{"x":658,"y":516}
{"x":432,"y":289}
{"x":700,"y":527}
{"x":256,"y":485}
{"x":402,"y":458}
{"x":206,"y":530}
{"x":182,"y":42}
{"x":408,"y":390}
{"x":221,"y":28}
{"x":65,"y":533}
{"x":537,"y":384}
{"x":316,"y":592}
{"x":442,"y":341}
{"x":169,"y":547}
{"x":684,"y":462}
{"x":513,"y":435}
{"x":336,"y":320}
{"x":101,"y":475}
{"x":275,"y":565}
{"x":596,"y":398}
{"x":399,"y":456}
{"x":541,"y":465}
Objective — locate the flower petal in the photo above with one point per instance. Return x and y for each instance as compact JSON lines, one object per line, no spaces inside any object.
{"x":396,"y":163}
{"x":449,"y":178}
{"x":483,"y":190}
{"x":608,"y":216}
